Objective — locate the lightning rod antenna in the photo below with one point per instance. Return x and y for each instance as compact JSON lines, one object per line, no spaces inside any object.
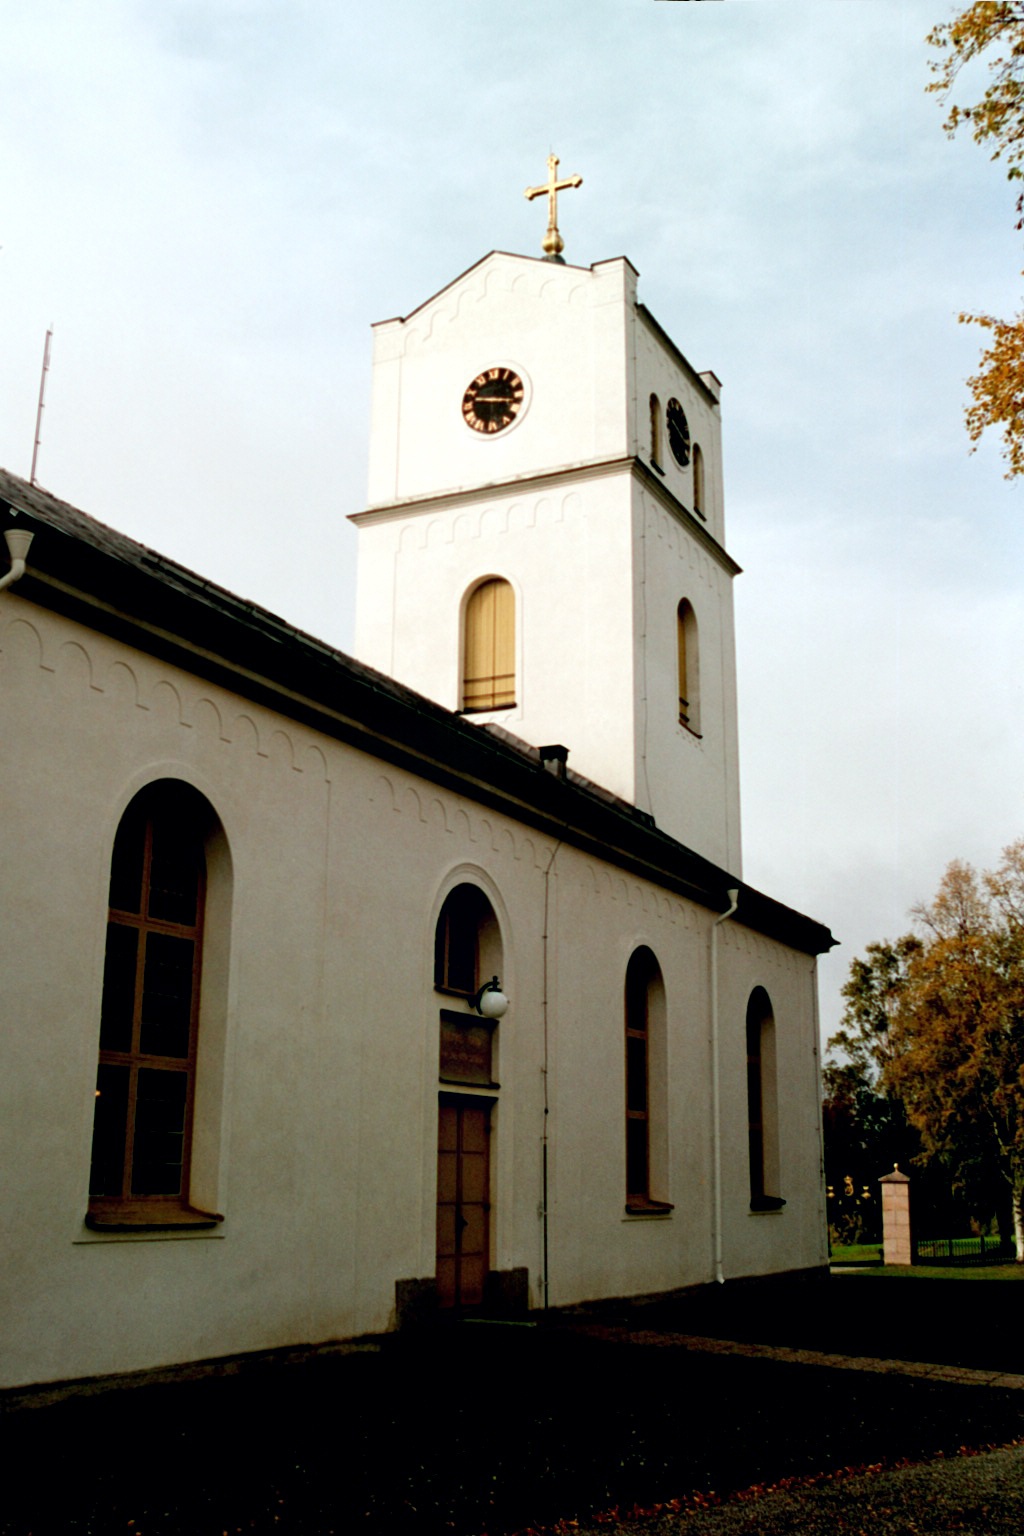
{"x":39,"y":408}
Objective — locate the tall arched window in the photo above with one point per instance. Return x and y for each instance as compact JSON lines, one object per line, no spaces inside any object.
{"x":646,"y":1152}
{"x":762,"y":1104}
{"x":688,"y":655}
{"x":698,"y":480}
{"x":467,"y":952}
{"x":149,"y":1015}
{"x":489,"y":650}
{"x":655,"y":408}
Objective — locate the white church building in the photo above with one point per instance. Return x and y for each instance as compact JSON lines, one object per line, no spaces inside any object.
{"x":342,"y":992}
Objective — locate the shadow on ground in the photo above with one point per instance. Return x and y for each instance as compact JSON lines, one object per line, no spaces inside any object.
{"x":479,"y":1428}
{"x":971,"y":1323}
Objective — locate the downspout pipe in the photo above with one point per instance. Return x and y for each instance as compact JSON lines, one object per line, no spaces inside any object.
{"x":716,"y":1089}
{"x":18,"y":542}
{"x":546,"y":964}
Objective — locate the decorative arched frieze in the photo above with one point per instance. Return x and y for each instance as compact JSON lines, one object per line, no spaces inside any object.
{"x":74,"y":668}
{"x":436,"y":814}
{"x":519,"y":516}
{"x":22,"y":644}
{"x":494,"y":280}
{"x":461,"y":824}
{"x":281,"y":750}
{"x":244,"y":732}
{"x":492,"y":521}
{"x":207,"y":720}
{"x":166,"y":701}
{"x":315,"y":763}
{"x":528,"y":853}
{"x":411,"y":803}
{"x":411,"y":538}
{"x":122,"y":685}
{"x":384,"y":794}
{"x":487,"y":834}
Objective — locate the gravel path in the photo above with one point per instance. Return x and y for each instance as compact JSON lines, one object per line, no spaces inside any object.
{"x":981,"y":1494}
{"x":740,"y":1412}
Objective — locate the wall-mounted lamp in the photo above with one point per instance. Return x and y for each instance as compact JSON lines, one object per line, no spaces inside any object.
{"x":490,"y":1001}
{"x":18,"y":541}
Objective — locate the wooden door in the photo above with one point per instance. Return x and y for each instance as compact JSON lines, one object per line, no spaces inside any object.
{"x":463,"y":1200}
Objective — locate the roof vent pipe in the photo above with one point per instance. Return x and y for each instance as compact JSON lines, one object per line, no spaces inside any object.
{"x":18,"y":541}
{"x":553,"y":760}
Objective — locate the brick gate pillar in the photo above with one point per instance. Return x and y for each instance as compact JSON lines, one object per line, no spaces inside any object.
{"x":896,"y":1217}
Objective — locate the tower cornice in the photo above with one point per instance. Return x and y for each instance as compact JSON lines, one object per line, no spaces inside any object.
{"x":591,"y":469}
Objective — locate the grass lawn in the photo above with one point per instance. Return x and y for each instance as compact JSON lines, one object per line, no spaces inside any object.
{"x":940,"y":1272}
{"x":856,"y":1253}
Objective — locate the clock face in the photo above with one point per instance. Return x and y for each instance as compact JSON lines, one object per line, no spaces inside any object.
{"x":493,"y":400}
{"x":678,"y":433}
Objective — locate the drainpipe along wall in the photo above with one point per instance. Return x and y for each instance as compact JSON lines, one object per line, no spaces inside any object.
{"x":716,"y":1092}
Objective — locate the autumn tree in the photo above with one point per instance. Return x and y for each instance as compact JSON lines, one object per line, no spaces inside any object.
{"x":956,"y":1054}
{"x":866,"y":1129}
{"x":991,"y":31}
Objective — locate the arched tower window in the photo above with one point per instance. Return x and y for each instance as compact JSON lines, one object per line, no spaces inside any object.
{"x":646,"y":1150}
{"x":698,"y":481}
{"x":688,"y":654}
{"x":655,"y":406}
{"x":489,"y":666}
{"x":145,"y":1085}
{"x":762,"y":1104}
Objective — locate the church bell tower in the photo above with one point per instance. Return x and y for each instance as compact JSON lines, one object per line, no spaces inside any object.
{"x":543,"y":545}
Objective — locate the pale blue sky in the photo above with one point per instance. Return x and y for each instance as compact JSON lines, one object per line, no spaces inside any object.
{"x":213,"y":201}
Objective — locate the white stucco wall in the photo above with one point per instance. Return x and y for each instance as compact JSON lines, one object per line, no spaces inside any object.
{"x":688,"y":779}
{"x":318,"y":1036}
{"x":568,"y":555}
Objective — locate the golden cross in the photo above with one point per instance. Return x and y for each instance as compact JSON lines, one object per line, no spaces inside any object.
{"x":553,"y":245}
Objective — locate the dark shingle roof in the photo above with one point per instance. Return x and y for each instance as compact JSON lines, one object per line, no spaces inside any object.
{"x":99,"y":577}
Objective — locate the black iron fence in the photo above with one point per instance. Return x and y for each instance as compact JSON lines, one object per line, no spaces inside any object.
{"x":962,"y":1250}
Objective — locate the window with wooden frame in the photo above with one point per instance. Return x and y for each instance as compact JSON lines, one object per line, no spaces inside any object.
{"x":698,"y":481}
{"x":467,"y":952}
{"x":644,"y":1079}
{"x":762,"y":1105}
{"x":489,"y":648}
{"x":145,"y":1084}
{"x":466,"y":942}
{"x":688,"y":669}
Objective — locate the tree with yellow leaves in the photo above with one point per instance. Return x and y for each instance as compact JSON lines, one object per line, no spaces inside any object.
{"x":992,"y":31}
{"x":956,"y":1055}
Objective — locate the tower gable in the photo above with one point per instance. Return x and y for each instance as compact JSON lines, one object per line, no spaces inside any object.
{"x":561,"y":330}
